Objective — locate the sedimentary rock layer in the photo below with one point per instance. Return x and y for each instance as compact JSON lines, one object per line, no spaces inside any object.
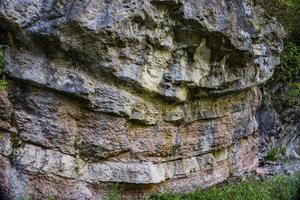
{"x":152,"y":94}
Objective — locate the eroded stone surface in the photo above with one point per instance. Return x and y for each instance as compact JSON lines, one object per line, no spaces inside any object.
{"x":278,"y":118}
{"x":159,"y":94}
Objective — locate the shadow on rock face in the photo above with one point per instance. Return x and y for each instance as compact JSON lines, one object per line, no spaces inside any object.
{"x":298,"y":195}
{"x":2,"y":195}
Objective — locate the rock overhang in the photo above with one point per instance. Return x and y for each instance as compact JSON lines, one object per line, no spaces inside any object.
{"x":142,"y":92}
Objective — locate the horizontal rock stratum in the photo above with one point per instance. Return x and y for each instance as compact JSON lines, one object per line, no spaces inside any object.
{"x":151,"y":94}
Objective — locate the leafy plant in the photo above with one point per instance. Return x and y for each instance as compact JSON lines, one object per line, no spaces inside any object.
{"x":294,"y":90}
{"x":275,"y":154}
{"x":289,"y":67}
{"x":286,"y":12}
{"x":3,"y":84}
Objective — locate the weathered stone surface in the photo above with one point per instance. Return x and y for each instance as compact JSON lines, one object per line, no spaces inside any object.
{"x":5,"y":144}
{"x":123,"y":52}
{"x":6,"y":129}
{"x":156,"y":93}
{"x":5,"y":112}
{"x":278,"y":118}
{"x":42,"y":161}
{"x":244,"y":156}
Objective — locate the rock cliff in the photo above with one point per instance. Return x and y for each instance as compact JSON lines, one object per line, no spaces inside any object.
{"x":278,"y":118}
{"x":151,"y":94}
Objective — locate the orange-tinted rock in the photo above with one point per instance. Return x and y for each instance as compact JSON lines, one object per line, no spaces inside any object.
{"x":128,"y":92}
{"x":244,"y":155}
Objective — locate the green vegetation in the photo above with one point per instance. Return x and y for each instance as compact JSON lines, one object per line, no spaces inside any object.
{"x":3,"y":82}
{"x":276,"y":188}
{"x":281,"y":187}
{"x":288,"y":13}
{"x":27,"y":197}
{"x":275,"y":154}
{"x":290,"y":63}
{"x":294,"y":90}
{"x":49,"y":197}
{"x":115,"y":192}
{"x":289,"y":71}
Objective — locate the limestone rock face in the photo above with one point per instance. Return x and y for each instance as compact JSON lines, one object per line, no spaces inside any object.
{"x":151,"y":94}
{"x":278,"y":118}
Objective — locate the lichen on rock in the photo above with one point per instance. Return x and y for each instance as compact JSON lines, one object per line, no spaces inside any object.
{"x":157,"y":93}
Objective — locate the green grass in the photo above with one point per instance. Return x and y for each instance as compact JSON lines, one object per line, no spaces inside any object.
{"x":115,"y":192}
{"x":276,"y":188}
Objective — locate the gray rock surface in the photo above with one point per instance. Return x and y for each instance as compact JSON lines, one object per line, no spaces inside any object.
{"x":155,"y":94}
{"x":278,"y":118}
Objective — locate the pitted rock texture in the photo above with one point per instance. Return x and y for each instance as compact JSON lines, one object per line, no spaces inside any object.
{"x":152,"y":94}
{"x":278,"y":118}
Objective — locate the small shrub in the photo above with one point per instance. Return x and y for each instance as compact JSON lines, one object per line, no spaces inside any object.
{"x":275,"y":154}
